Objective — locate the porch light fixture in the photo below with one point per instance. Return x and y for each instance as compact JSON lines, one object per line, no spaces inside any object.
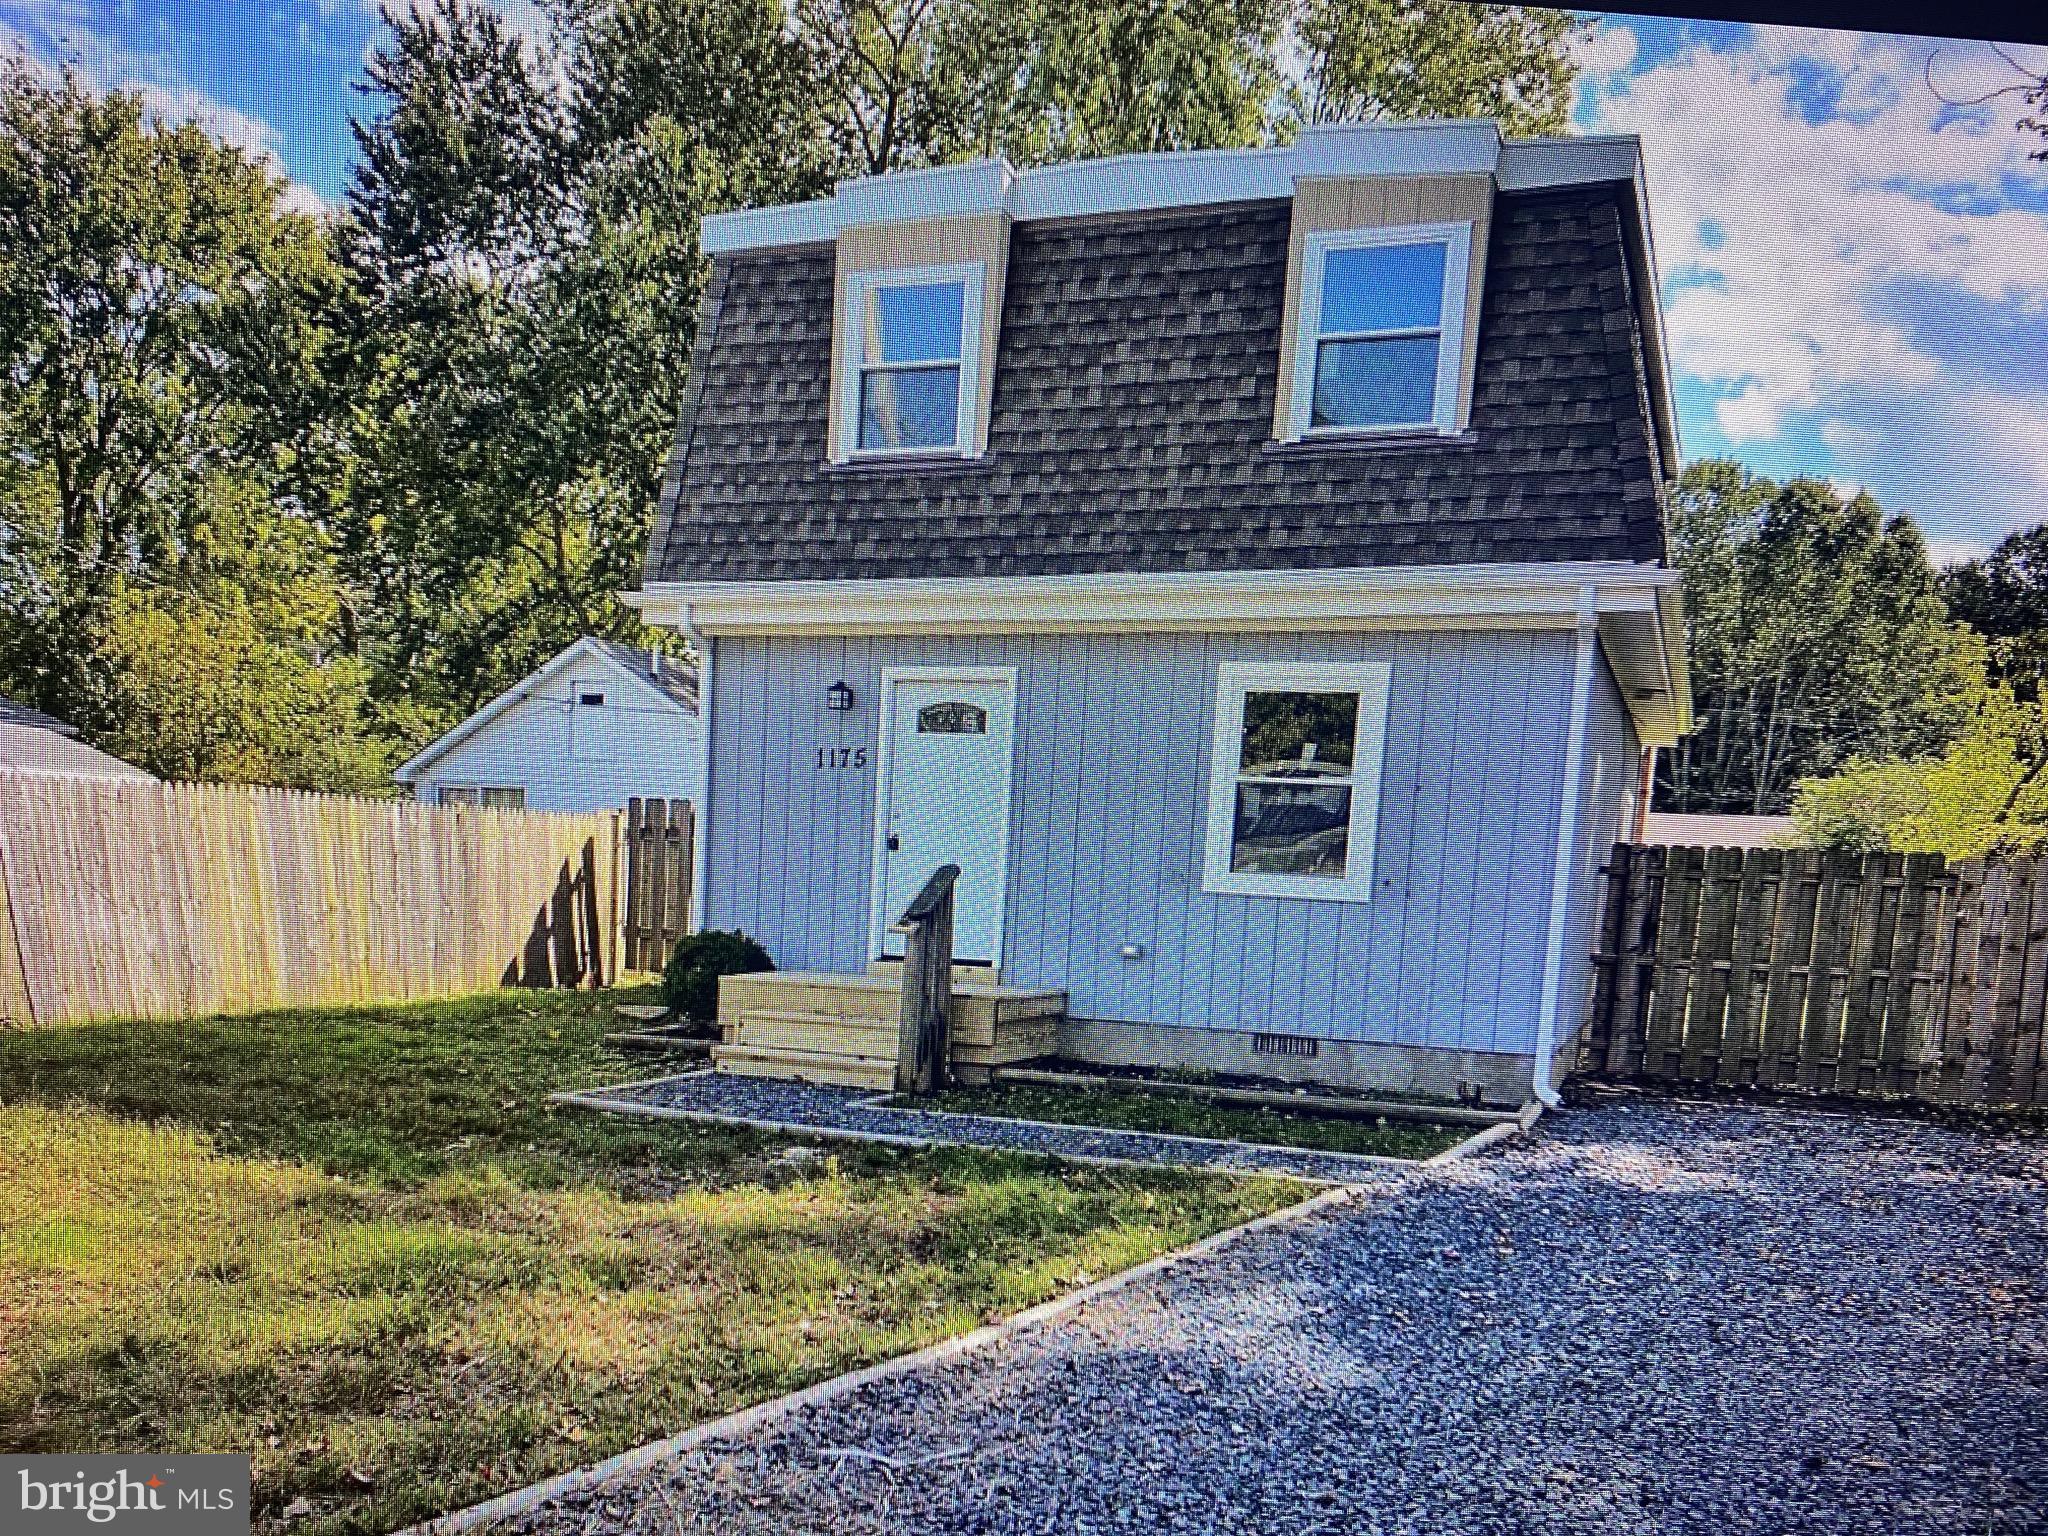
{"x":839,"y":696}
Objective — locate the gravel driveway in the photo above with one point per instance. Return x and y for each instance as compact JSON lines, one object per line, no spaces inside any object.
{"x":1651,"y":1319}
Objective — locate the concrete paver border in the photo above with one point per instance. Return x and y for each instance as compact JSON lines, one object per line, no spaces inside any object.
{"x":521,"y":1500}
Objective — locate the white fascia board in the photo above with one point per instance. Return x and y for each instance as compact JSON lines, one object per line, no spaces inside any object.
{"x":941,"y":191}
{"x":1638,"y":604}
{"x":1182,"y":179}
{"x":1656,"y":341}
{"x":1183,"y":598}
{"x":751,"y":229}
{"x":1529,"y":164}
{"x":1447,"y":147}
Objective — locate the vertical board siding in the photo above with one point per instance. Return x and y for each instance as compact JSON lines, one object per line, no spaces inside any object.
{"x":1109,"y":806}
{"x":1848,"y":973}
{"x":128,"y":899}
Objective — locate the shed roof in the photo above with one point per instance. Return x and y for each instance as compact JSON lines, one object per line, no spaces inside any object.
{"x":39,"y":749}
{"x":14,"y":712}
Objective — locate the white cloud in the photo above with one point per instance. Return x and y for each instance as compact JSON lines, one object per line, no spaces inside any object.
{"x":52,"y":33}
{"x":1814,"y":258}
{"x":1603,"y":49}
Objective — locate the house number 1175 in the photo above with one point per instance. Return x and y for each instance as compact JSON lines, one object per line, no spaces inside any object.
{"x":842,"y":757}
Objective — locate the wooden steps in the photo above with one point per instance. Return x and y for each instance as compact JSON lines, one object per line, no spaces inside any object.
{"x":823,"y":1027}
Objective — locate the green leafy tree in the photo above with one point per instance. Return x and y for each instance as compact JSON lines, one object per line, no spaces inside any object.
{"x":164,"y":414}
{"x":1815,"y":634}
{"x":1987,"y":791}
{"x":2004,"y":598}
{"x":1436,"y":58}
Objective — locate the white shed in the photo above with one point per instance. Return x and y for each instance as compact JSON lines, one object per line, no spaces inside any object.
{"x":600,"y":723}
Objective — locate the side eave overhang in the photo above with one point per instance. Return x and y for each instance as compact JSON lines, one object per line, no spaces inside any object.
{"x":1638,"y":608}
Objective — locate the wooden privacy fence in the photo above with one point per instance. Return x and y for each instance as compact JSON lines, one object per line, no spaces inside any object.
{"x":661,"y":854}
{"x":133,"y":899}
{"x":1838,"y":972}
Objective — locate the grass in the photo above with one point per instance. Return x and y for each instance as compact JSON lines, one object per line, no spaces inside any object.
{"x":1138,"y":1111}
{"x":361,"y":1245}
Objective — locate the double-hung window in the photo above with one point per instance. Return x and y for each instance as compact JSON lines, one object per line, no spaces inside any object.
{"x":1382,"y":330}
{"x":1294,"y":783}
{"x":910,"y":352}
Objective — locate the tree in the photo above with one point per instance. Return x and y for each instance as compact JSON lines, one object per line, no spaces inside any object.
{"x":2020,"y":81}
{"x":1987,"y":792}
{"x":1436,"y":58}
{"x":2004,"y":598}
{"x":167,"y":323}
{"x":1815,"y":635}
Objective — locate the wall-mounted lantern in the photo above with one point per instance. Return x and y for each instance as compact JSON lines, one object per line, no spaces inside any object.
{"x":839,"y":696}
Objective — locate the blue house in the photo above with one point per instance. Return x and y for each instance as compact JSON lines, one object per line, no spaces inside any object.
{"x":1247,"y":566}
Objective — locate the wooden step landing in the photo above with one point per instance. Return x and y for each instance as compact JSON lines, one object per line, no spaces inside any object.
{"x":828,"y":1027}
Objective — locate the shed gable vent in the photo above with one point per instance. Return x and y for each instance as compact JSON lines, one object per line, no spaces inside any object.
{"x":1284,"y":1045}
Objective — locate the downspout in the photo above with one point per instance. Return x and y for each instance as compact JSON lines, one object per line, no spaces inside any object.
{"x":1567,"y":845}
{"x":698,"y":643}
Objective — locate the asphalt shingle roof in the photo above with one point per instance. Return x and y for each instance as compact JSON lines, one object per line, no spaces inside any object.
{"x":676,"y":678}
{"x":1131,"y":427}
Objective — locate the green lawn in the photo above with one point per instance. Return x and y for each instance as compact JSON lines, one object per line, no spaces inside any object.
{"x":1178,"y":1116}
{"x":361,"y":1245}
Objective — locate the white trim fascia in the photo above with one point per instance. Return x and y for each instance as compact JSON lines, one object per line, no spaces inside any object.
{"x":1373,"y":682}
{"x":1456,"y":239}
{"x":1656,"y":340}
{"x":972,"y":276}
{"x":1181,"y":179}
{"x":586,"y":647}
{"x":1283,"y":599}
{"x":885,"y":733}
{"x":1552,"y":997}
{"x":929,"y":192}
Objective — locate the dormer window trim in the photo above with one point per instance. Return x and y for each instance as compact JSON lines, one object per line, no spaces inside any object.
{"x":855,"y":368}
{"x":1310,"y":337}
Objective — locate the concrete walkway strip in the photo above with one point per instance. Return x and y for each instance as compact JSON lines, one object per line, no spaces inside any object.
{"x":521,"y":1500}
{"x":795,"y":1109}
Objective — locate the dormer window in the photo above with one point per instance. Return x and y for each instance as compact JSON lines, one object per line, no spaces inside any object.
{"x":911,"y":359}
{"x":1382,"y":330}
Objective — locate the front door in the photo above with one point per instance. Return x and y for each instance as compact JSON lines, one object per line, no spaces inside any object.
{"x":945,"y":799}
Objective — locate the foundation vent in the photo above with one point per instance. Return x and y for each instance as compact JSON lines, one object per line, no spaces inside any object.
{"x":1284,"y":1045}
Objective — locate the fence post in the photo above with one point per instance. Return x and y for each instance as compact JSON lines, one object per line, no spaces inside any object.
{"x":924,"y":1018}
{"x":16,"y":1005}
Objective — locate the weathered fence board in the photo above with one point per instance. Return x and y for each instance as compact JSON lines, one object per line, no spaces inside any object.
{"x":661,"y":855}
{"x":1835,"y":972}
{"x":131,"y":899}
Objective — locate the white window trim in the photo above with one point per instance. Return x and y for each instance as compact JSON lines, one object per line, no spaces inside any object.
{"x":1372,"y":681}
{"x":970,"y":276}
{"x":1457,"y":241}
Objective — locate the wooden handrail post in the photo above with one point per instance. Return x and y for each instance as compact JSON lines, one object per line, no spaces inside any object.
{"x":924,"y":1020}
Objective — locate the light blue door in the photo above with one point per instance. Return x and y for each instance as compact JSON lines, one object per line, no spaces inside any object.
{"x":946,"y":800}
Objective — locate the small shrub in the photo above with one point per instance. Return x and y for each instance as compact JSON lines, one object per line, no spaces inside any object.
{"x":690,"y":983}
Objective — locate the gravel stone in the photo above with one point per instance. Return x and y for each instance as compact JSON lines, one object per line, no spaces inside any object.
{"x":802,"y":1106}
{"x":1648,"y":1318}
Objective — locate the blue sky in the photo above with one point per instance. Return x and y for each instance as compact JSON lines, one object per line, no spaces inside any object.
{"x":1855,"y":275}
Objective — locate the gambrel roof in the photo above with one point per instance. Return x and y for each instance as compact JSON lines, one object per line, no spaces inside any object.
{"x":1131,"y":428}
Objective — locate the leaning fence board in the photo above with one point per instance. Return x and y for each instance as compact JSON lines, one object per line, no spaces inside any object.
{"x":172,"y":900}
{"x":1837,"y":972}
